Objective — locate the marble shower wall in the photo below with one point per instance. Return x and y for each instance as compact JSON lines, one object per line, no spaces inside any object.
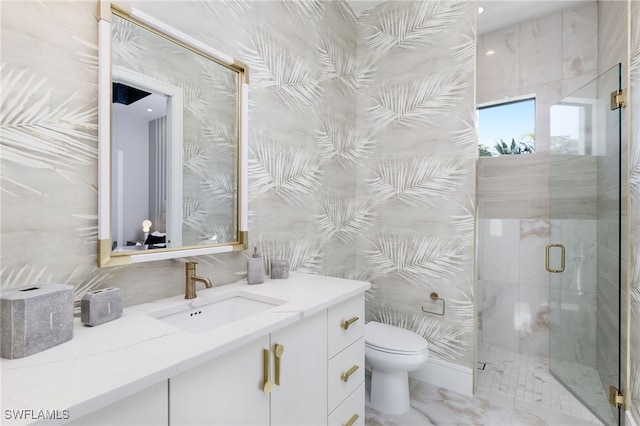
{"x":418,"y":107}
{"x":549,"y":57}
{"x":513,"y":286}
{"x":362,"y":149}
{"x":634,"y":255}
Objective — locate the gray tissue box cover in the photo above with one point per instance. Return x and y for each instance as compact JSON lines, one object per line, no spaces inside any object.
{"x":34,"y":318}
{"x":100,"y":306}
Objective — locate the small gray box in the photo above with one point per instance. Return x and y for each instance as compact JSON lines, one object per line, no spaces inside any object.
{"x":279,"y":269}
{"x":35,"y":318}
{"x":100,"y":306}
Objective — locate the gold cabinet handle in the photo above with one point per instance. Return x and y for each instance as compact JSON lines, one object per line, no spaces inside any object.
{"x":345,"y":376}
{"x":548,"y":255}
{"x":352,"y":420}
{"x":278,"y":350}
{"x":267,"y":386}
{"x":345,"y":324}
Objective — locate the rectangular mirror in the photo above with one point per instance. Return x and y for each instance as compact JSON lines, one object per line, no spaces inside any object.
{"x":172,"y":142}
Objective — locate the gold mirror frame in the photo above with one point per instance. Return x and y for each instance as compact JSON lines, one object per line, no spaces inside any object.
{"x":106,"y":257}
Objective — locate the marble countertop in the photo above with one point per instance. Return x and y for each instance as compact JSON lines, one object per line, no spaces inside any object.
{"x":106,"y":363}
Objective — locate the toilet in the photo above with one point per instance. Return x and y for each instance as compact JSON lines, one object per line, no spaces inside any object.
{"x":391,"y":352}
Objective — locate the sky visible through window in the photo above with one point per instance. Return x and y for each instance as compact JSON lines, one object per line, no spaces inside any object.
{"x":513,"y":120}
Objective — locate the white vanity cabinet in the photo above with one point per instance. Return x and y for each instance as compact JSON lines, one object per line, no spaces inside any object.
{"x":224,"y":391}
{"x":345,"y":374}
{"x":147,"y":407}
{"x":313,"y":341}
{"x":319,"y":379}
{"x":228,"y":390}
{"x":301,"y":396}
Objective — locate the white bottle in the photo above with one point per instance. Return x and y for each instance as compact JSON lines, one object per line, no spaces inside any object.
{"x":255,"y":268}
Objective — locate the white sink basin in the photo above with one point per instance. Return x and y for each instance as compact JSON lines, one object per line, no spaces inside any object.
{"x":203,"y":314}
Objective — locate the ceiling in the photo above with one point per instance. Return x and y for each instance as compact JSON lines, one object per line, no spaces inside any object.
{"x":148,"y":108}
{"x":500,"y":14}
{"x":497,"y":14}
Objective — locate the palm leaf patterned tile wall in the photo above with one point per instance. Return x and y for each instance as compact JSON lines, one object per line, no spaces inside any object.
{"x":419,"y":107}
{"x":361,"y":160}
{"x":634,"y":329}
{"x":48,"y":147}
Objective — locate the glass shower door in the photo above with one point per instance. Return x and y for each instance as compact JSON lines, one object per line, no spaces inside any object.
{"x":583,"y":257}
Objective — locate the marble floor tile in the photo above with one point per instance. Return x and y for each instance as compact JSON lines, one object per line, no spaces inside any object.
{"x":591,"y":390}
{"x":513,"y":389}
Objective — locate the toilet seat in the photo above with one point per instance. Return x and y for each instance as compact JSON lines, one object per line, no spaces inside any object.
{"x":393,"y":340}
{"x":392,"y":351}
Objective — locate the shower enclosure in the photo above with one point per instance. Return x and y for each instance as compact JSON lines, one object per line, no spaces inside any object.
{"x":584,"y":254}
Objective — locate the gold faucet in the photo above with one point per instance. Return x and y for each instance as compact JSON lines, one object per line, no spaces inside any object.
{"x":191,"y":279}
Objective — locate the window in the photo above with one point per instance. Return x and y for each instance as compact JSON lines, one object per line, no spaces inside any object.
{"x":507,"y":128}
{"x":572,"y":126}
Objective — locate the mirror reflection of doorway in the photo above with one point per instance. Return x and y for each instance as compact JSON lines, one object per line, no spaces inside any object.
{"x":139,"y":162}
{"x":150,"y":179}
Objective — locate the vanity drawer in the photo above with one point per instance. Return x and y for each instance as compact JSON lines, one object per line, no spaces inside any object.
{"x":352,"y":407}
{"x":341,"y":316}
{"x":347,"y":365}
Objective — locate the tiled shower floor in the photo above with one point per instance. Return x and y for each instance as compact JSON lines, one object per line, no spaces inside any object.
{"x":525,"y":377}
{"x":513,"y":389}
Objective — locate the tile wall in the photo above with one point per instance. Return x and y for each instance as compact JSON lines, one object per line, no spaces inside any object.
{"x":613,"y":48}
{"x":512,"y":286}
{"x":610,"y":44}
{"x":331,"y":128}
{"x":549,"y":57}
{"x":634,"y":255}
{"x":49,"y":180}
{"x":419,"y":179}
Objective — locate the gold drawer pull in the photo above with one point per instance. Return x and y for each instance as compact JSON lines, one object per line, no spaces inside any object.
{"x":352,"y":420}
{"x":347,"y":323}
{"x":279,"y":349}
{"x":345,"y":376}
{"x":267,"y":385}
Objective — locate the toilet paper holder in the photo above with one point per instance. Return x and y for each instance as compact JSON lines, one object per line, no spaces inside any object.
{"x":434,"y":296}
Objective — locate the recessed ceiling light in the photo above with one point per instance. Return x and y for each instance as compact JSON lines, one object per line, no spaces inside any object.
{"x":480,"y":10}
{"x":490,"y":52}
{"x":149,"y":109}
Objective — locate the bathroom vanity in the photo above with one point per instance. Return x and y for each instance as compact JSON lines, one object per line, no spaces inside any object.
{"x":284,"y":352}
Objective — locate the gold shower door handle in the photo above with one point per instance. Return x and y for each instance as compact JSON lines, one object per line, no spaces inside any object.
{"x":267,"y":386}
{"x":548,"y":256}
{"x":278,"y":351}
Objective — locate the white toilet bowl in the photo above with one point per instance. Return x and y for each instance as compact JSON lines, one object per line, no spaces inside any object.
{"x":391,"y":352}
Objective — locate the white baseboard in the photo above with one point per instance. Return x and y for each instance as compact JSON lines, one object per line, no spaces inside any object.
{"x":446,"y":375}
{"x":629,"y":420}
